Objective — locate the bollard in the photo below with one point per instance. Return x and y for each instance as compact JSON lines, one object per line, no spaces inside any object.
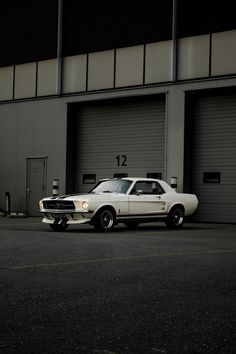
{"x":55,"y":187}
{"x":8,"y":204}
{"x":173,"y":183}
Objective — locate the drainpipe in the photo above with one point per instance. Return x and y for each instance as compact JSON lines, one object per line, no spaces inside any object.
{"x":59,"y":47}
{"x":175,"y":41}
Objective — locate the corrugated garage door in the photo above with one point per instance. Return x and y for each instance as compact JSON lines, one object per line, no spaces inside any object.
{"x":214,"y":158}
{"x":119,"y":138}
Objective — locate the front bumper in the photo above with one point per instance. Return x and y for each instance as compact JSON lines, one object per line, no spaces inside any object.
{"x":69,"y":217}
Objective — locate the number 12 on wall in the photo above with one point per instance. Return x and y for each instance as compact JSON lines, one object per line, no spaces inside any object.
{"x":121,"y":160}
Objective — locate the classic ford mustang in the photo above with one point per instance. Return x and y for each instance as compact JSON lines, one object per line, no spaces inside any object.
{"x":125,"y":200}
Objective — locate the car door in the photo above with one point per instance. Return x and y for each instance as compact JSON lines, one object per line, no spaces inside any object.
{"x":146,"y":198}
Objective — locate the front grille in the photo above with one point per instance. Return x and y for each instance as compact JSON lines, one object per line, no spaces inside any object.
{"x":59,"y":204}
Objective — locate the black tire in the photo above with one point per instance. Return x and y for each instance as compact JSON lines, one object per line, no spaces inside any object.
{"x":104,"y":220}
{"x":132,"y":225}
{"x":175,"y":219}
{"x":58,"y":227}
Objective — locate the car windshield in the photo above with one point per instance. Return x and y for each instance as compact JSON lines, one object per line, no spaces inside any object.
{"x":112,"y":186}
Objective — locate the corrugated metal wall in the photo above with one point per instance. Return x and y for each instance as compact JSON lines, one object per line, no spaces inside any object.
{"x":119,"y":137}
{"x":31,"y":130}
{"x":214,"y":157}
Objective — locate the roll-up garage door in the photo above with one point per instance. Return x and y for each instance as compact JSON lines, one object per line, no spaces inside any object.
{"x":119,"y":138}
{"x":214,"y":157}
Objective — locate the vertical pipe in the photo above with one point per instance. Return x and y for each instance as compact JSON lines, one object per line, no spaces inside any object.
{"x":59,"y":46}
{"x":175,"y":41}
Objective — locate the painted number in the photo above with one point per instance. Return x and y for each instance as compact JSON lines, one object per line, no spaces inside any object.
{"x":121,"y":160}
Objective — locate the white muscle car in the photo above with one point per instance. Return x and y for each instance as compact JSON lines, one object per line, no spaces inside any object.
{"x":126,"y":200}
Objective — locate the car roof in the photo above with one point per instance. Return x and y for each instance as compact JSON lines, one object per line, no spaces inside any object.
{"x":134,"y":179}
{"x":140,"y":178}
{"x":163,"y":184}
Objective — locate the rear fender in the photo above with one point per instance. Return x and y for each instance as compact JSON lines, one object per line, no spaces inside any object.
{"x":177,"y":204}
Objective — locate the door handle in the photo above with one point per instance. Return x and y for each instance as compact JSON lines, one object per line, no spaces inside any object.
{"x":28,"y":190}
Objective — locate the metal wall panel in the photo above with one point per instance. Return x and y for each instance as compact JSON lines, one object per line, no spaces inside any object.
{"x":193,"y":57}
{"x":25,"y":80}
{"x":31,"y":130}
{"x":223,"y":53}
{"x":214,"y":158}
{"x":119,"y":137}
{"x":47,"y":77}
{"x":129,"y":66}
{"x":74,"y":73}
{"x":6,"y":83}
{"x":158,"y":62}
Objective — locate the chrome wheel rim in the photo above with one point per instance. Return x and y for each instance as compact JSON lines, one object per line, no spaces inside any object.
{"x":106,"y":219}
{"x":177,"y":217}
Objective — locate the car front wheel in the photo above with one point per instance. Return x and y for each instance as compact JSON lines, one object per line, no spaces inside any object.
{"x":175,"y":218}
{"x":104,"y":220}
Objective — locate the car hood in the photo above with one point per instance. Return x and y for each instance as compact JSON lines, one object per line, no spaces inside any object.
{"x":86,"y":196}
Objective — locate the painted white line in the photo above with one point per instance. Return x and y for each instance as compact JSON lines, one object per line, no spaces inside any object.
{"x":117,"y":259}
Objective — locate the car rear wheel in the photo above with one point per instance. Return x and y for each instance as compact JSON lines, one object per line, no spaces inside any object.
{"x":58,"y":227}
{"x":104,"y":220}
{"x":176,"y":217}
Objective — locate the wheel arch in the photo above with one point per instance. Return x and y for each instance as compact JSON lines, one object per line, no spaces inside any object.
{"x":178,"y":205}
{"x":103,"y":207}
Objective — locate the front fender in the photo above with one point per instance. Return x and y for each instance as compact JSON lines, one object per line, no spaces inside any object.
{"x":103,"y":206}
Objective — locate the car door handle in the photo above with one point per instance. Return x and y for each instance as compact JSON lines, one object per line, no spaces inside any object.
{"x":158,"y":197}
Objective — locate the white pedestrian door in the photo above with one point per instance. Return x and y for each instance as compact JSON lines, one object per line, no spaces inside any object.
{"x":36,"y":181}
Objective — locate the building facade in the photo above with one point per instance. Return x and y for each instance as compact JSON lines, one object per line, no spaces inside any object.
{"x":90,"y":91}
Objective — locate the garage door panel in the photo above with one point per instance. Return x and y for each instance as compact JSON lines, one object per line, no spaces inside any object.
{"x":132,"y":160}
{"x":216,"y":193}
{"x":214,"y":152}
{"x":126,"y":142}
{"x":119,"y":137}
{"x":227,"y":180}
{"x":209,"y":213}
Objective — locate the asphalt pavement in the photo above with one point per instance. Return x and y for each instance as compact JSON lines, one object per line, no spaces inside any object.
{"x":152,"y":290}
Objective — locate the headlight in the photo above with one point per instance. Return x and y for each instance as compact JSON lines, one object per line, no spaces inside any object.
{"x":85,"y":205}
{"x":41,"y":204}
{"x":81,"y":204}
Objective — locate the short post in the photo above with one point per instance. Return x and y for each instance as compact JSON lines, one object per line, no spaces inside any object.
{"x":173,"y":183}
{"x":55,"y":187}
{"x":8,"y":203}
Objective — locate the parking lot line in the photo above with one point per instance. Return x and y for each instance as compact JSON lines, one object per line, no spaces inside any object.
{"x":116,"y":259}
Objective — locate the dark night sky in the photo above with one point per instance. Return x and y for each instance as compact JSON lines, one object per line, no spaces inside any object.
{"x":29,"y":27}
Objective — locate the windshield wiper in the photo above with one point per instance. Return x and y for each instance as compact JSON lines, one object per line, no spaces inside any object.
{"x":106,"y":192}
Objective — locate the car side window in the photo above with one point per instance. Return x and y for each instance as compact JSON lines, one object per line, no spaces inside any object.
{"x":147,"y":188}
